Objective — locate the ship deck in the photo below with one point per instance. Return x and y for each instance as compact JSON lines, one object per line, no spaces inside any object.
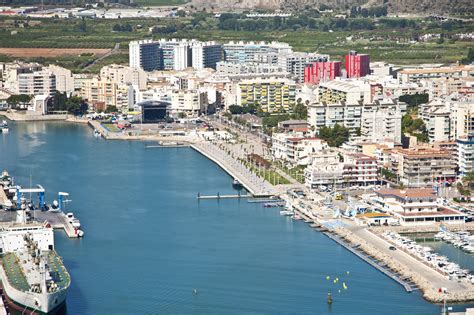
{"x":18,"y":279}
{"x":14,"y":272}
{"x":58,"y":271}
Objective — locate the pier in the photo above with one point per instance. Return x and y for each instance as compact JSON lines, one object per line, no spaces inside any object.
{"x":372,"y":261}
{"x":255,"y":185}
{"x":57,"y":220}
{"x":218,"y":196}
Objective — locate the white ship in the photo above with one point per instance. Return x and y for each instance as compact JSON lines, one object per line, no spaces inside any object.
{"x":33,"y":276}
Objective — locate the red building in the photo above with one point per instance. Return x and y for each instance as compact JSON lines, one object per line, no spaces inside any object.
{"x":322,"y":71}
{"x":357,"y":65}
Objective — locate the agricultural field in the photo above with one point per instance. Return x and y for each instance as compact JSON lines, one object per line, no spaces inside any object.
{"x":393,"y":46}
{"x":51,"y":52}
{"x":150,"y":3}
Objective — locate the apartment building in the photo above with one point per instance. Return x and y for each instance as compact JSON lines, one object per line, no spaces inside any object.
{"x":382,"y":121}
{"x":348,"y":91}
{"x":146,"y":55}
{"x":245,"y":52}
{"x":100,"y":90}
{"x":64,"y":79}
{"x":271,"y":94}
{"x":357,"y":65}
{"x":174,"y":54}
{"x":225,"y":68}
{"x":41,"y":82}
{"x":124,"y":75}
{"x":347,"y":115}
{"x":321,"y":71}
{"x":205,"y":55}
{"x":420,"y":167}
{"x":340,"y":169}
{"x":295,"y":63}
{"x":190,"y":102}
{"x":415,"y":75}
{"x":295,"y":149}
{"x":465,"y":149}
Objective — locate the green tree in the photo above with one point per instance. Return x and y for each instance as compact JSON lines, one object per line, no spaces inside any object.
{"x":413,"y":100}
{"x":415,"y":127}
{"x":334,"y":136}
{"x":20,"y":100}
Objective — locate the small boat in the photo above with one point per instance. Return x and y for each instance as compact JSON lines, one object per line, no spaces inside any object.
{"x":4,"y":126}
{"x":237,"y":184}
{"x":286,"y":213}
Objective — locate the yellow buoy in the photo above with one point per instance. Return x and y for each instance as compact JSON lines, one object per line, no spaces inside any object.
{"x":328,"y":277}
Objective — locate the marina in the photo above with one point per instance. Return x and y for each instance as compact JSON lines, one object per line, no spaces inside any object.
{"x":229,"y":232}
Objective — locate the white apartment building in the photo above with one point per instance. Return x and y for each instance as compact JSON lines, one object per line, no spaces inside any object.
{"x":225,"y":68}
{"x":323,"y":114}
{"x":205,"y":55}
{"x":244,"y":52}
{"x":145,"y":54}
{"x":64,"y":79}
{"x":340,"y":169}
{"x":191,"y":102}
{"x":382,"y":121}
{"x":415,"y":75}
{"x":347,"y":91}
{"x":295,"y":149}
{"x":121,"y":74}
{"x":462,"y":119}
{"x":37,"y":83}
{"x":465,"y":155}
{"x":99,"y":90}
{"x":295,"y":62}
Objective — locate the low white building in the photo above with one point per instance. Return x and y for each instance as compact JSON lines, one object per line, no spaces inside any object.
{"x":416,"y":206}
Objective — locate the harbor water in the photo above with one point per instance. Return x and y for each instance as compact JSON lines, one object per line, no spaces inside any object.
{"x":151,"y":248}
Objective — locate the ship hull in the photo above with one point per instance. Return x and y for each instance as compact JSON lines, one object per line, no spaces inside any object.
{"x":36,"y":303}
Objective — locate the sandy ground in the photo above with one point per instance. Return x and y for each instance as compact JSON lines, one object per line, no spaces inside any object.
{"x":50,"y":52}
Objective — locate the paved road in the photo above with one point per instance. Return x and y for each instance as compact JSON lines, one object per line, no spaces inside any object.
{"x":436,"y":279}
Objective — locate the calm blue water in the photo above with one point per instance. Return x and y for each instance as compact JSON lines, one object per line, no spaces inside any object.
{"x":149,"y":243}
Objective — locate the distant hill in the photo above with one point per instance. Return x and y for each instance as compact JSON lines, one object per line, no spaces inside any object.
{"x":394,"y":6}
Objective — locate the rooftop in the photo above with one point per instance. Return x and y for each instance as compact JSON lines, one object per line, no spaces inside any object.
{"x":407,"y":193}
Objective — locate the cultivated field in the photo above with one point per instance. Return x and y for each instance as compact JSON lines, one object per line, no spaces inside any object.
{"x":51,"y":52}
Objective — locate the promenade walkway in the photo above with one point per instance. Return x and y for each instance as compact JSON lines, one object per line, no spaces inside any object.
{"x":254,"y":184}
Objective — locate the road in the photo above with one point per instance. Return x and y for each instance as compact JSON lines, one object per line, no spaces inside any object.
{"x":436,"y":279}
{"x":113,"y":51}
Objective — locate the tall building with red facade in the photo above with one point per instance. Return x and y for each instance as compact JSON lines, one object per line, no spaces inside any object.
{"x":357,"y":65}
{"x":322,"y":70}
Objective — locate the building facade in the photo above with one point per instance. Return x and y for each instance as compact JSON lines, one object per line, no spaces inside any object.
{"x":271,"y":95}
{"x":357,"y":65}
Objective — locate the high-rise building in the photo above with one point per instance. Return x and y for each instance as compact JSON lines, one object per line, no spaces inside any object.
{"x":322,"y":70}
{"x":244,"y":52}
{"x":295,"y":63}
{"x":466,"y":154}
{"x":37,"y":83}
{"x":174,"y":54}
{"x":357,"y":65}
{"x":146,"y":55}
{"x":206,"y":55}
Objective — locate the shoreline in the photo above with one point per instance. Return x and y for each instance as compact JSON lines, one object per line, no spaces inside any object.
{"x":429,"y":291}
